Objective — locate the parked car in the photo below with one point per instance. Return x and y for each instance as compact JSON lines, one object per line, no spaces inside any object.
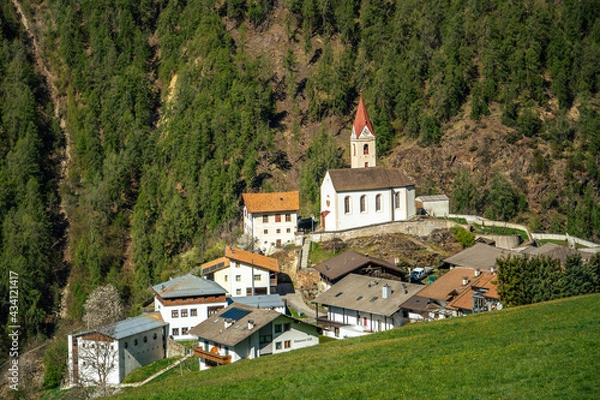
{"x":419,"y":273}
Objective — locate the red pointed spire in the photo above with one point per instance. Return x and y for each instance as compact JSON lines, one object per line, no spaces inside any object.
{"x":362,"y":119}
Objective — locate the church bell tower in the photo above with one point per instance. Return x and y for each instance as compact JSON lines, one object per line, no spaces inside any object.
{"x":363,"y":153}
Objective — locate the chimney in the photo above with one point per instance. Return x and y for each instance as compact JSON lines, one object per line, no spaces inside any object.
{"x":386,"y":290}
{"x":250,"y":324}
{"x":465,"y":280}
{"x":228,"y":322}
{"x":493,"y":270}
{"x":477,"y":272}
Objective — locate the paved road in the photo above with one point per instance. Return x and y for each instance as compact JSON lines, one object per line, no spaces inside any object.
{"x":295,"y":301}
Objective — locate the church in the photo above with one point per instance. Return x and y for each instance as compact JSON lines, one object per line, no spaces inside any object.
{"x":364,"y":194}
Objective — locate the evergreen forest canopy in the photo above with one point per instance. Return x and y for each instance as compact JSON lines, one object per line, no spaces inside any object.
{"x":171,"y":114}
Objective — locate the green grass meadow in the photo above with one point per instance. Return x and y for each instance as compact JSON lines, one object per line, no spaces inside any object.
{"x":542,"y":351}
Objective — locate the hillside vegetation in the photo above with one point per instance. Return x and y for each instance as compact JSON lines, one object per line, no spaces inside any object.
{"x":172,"y":109}
{"x":546,"y":351}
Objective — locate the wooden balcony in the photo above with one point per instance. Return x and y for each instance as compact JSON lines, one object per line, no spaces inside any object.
{"x":212,"y":356}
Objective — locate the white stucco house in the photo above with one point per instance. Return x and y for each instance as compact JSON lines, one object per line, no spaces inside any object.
{"x":241,"y":331}
{"x":186,"y":301}
{"x":106,"y":355}
{"x":358,"y":305}
{"x":243,"y":273}
{"x":359,"y":197}
{"x":271,"y":219}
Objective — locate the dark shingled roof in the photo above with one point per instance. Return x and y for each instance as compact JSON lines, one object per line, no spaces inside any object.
{"x":350,"y":179}
{"x":349,"y":261}
{"x":481,"y":256}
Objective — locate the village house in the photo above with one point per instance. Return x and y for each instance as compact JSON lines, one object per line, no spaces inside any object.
{"x":241,"y":331}
{"x":271,"y":219}
{"x":480,"y":256}
{"x":358,"y":305}
{"x":106,"y":355}
{"x":336,"y":268}
{"x":243,"y":273}
{"x":186,"y":301}
{"x":265,"y":301}
{"x":461,"y":291}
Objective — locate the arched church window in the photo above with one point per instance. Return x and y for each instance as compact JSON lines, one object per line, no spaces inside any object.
{"x":347,"y":205}
{"x":378,"y":202}
{"x":363,"y":203}
{"x":366,"y":150}
{"x":397,"y":199}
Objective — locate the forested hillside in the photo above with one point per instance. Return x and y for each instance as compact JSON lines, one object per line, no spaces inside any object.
{"x":174,"y":108}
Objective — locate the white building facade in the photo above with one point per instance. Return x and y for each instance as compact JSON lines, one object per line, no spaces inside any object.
{"x":242,"y":331}
{"x":186,"y":301}
{"x":243,"y":273}
{"x":106,"y":355}
{"x":354,"y":198}
{"x":436,"y":206}
{"x":271,"y":219}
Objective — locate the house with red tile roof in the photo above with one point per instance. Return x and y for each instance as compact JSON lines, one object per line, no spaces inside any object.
{"x":243,"y":273}
{"x":462,"y":291}
{"x":271,"y":219}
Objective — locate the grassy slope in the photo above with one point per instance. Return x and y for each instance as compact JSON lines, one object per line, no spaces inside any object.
{"x":548,"y":350}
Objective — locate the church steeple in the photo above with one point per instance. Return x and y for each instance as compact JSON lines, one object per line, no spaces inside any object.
{"x":362,"y":140}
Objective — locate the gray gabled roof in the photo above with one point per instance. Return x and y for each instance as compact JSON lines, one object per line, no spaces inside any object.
{"x":352,"y":179}
{"x":129,"y":327}
{"x":259,"y":301}
{"x":213,"y":328}
{"x":479,"y":256}
{"x":188,"y":286}
{"x":365,"y":294}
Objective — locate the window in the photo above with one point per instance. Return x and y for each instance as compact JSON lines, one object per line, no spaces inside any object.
{"x":135,"y":342}
{"x":277,"y":217}
{"x":213,"y":310}
{"x":378,"y":202}
{"x":288,"y":230}
{"x":287,"y":326}
{"x":265,"y":219}
{"x":238,"y":292}
{"x":366,"y":150}
{"x":226,"y":278}
{"x":347,"y":205}
{"x":278,"y":328}
{"x":397,"y":199}
{"x":363,"y":203}
{"x":366,"y":165}
{"x":257,"y":277}
{"x":154,"y":336}
{"x":194,"y":312}
{"x":266,"y":231}
{"x":175,"y":331}
{"x":145,"y":339}
{"x":238,"y":278}
{"x":126,"y":345}
{"x":278,"y":230}
{"x":175,"y":314}
{"x":288,"y":217}
{"x":184,"y":331}
{"x":264,"y":339}
{"x":184,"y":313}
{"x":288,"y":344}
{"x":277,"y":345}
{"x":205,"y":346}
